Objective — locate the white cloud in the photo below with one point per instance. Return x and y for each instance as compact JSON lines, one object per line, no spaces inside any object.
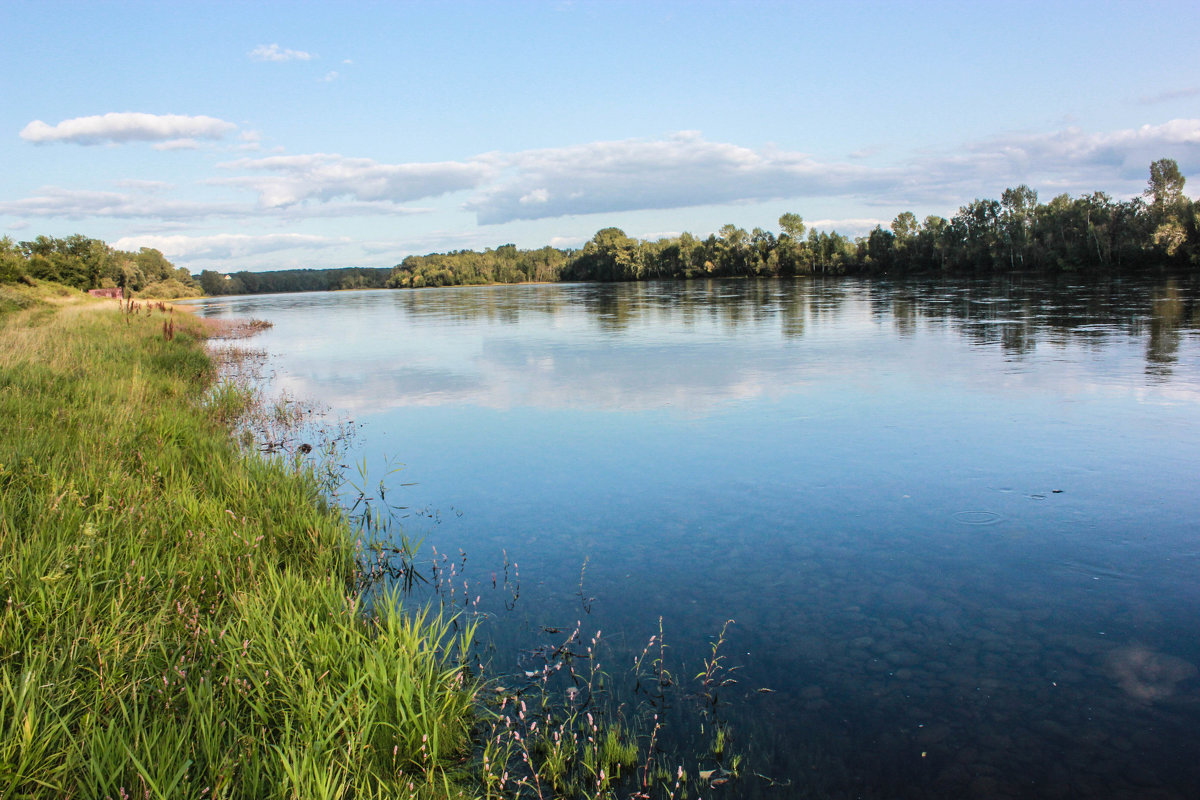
{"x":226,"y":245}
{"x":536,"y":196}
{"x":323,"y":177}
{"x":251,"y":141}
{"x":655,"y":236}
{"x":273,"y":52}
{"x":147,"y":203}
{"x":1073,"y":154}
{"x":633,"y":174}
{"x":330,"y":76}
{"x":1068,"y":160}
{"x":53,"y":201}
{"x":852,"y":226}
{"x":687,"y":170}
{"x":177,"y":144}
{"x":145,"y":186}
{"x":127,"y":127}
{"x":431,"y":241}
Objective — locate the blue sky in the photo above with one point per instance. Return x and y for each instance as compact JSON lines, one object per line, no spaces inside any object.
{"x":267,"y":136}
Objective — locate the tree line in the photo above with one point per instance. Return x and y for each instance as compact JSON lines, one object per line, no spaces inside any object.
{"x":504,"y":264}
{"x":293,"y":280}
{"x":1092,"y":233}
{"x":85,"y":263}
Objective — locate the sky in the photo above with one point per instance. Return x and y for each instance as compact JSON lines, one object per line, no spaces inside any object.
{"x":260,"y":136}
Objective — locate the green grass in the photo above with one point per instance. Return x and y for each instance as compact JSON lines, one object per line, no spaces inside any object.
{"x":177,"y":618}
{"x":16,"y":296}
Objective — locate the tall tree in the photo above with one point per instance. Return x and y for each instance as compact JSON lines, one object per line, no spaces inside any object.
{"x":792,"y":225}
{"x":1165,"y":187}
{"x":1017,"y":221}
{"x":1169,"y":208}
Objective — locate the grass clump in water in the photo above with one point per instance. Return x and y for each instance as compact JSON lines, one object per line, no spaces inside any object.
{"x":178,"y":618}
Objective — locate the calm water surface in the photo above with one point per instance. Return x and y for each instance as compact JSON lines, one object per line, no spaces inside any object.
{"x":955,"y":524}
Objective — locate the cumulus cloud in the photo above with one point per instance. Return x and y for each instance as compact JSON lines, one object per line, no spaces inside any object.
{"x":53,"y":201}
{"x":177,"y":144}
{"x":147,"y":202}
{"x":1075,"y":153}
{"x":250,"y":141}
{"x":226,"y":245}
{"x":1069,"y":160}
{"x":849,"y":226}
{"x":127,"y":127}
{"x":687,"y":170}
{"x":323,"y":177}
{"x":144,"y":185}
{"x":273,"y":52}
{"x":679,"y":171}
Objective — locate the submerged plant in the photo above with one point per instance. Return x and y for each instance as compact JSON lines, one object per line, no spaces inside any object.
{"x":567,"y":728}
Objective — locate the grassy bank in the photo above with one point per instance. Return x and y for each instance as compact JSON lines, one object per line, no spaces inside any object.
{"x":177,"y":617}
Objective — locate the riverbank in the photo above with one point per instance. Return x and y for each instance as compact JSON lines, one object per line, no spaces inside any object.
{"x":178,"y":616}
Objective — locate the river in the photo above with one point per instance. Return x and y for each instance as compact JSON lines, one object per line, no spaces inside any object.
{"x":955,"y":523}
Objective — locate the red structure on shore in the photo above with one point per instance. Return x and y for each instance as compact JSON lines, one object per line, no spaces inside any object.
{"x":115,"y":292}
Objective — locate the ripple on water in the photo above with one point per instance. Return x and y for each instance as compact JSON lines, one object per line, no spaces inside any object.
{"x":977,"y":517}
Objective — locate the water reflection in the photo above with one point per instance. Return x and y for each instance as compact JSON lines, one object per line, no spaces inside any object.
{"x":451,"y":345}
{"x":1013,"y":312}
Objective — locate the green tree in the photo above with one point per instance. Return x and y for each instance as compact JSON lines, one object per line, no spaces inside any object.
{"x":12,"y":262}
{"x":1165,"y":187}
{"x":792,"y":225}
{"x":763,"y":255}
{"x":610,"y":255}
{"x":1017,"y":222}
{"x":905,"y":226}
{"x":1169,"y":208}
{"x":213,"y":283}
{"x":933,"y":240}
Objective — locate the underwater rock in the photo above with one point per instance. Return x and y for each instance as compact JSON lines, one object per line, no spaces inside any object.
{"x":1145,"y":674}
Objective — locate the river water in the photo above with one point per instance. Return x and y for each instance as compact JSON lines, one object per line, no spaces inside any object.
{"x":956,"y":524}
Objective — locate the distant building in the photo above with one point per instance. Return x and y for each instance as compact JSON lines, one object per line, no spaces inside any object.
{"x":115,"y":292}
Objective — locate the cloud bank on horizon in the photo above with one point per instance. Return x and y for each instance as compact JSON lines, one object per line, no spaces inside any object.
{"x":678,"y":171}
